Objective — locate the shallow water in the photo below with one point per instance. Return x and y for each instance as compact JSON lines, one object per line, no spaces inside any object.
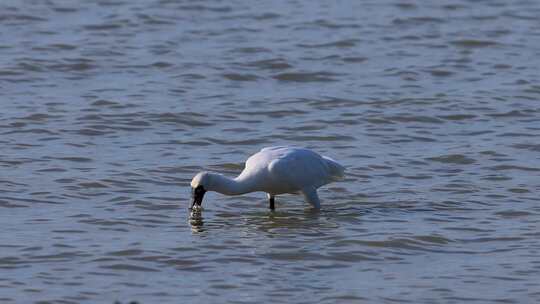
{"x":110,"y":107}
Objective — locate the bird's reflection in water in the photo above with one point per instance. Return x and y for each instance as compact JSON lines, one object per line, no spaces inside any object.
{"x":265,"y":220}
{"x":196,"y":219}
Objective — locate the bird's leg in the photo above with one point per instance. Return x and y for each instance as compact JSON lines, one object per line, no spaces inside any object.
{"x":271,"y":201}
{"x":310,"y":195}
{"x":272,"y":205}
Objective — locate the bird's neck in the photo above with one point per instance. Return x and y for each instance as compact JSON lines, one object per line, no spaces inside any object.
{"x":230,"y":186}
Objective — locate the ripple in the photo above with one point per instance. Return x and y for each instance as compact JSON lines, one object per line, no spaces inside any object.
{"x":510,"y":114}
{"x":417,"y":21}
{"x":251,"y":50}
{"x":453,"y":159}
{"x":458,"y":117}
{"x":240,"y":77}
{"x":274,"y":114}
{"x":127,"y":252}
{"x":513,"y":213}
{"x":102,"y":27}
{"x":530,"y":147}
{"x":269,"y":64}
{"x":39,"y":117}
{"x":333,"y":24}
{"x":415,"y":118}
{"x":346,"y":43}
{"x":514,"y":167}
{"x":440,"y":73}
{"x":306,"y":77}
{"x":129,"y":267}
{"x":202,"y":8}
{"x":73,"y":65}
{"x":473,"y":43}
{"x":237,"y":142}
{"x":184,"y":118}
{"x":307,"y":138}
{"x":39,"y":131}
{"x":93,"y":185}
{"x":7,"y":204}
{"x":12,"y":18}
{"x":57,"y":47}
{"x":76,"y":159}
{"x":354,"y":59}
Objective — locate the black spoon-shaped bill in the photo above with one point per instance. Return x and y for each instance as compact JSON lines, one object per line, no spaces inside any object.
{"x":197,"y":195}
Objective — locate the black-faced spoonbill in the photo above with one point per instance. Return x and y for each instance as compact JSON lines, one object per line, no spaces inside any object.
{"x":274,"y":170}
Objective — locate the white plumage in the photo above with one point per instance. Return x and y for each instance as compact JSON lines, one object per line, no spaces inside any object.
{"x":274,"y":170}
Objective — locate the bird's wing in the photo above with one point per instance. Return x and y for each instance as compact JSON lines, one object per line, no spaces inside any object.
{"x":337,"y":171}
{"x":300,"y":168}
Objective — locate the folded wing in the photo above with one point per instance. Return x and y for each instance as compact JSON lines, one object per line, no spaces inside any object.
{"x":302,"y":168}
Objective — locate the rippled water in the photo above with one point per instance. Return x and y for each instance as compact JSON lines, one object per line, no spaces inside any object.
{"x":110,"y":107}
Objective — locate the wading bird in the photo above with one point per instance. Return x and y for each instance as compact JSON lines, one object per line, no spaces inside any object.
{"x":274,"y":170}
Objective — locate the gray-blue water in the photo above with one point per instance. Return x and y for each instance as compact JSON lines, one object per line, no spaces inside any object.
{"x":108,"y":108}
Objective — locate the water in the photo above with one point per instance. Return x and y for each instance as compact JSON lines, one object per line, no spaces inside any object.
{"x":110,"y":107}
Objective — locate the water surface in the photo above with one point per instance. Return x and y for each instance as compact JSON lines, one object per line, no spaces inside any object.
{"x":110,"y":107}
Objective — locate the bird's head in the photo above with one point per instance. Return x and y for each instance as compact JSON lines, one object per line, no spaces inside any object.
{"x":199,"y":185}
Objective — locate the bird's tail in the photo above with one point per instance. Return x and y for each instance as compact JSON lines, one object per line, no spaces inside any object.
{"x":337,"y":171}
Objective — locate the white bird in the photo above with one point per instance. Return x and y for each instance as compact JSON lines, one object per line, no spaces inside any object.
{"x":274,"y":170}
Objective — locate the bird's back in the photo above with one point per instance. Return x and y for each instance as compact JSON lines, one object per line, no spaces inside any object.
{"x":287,"y":169}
